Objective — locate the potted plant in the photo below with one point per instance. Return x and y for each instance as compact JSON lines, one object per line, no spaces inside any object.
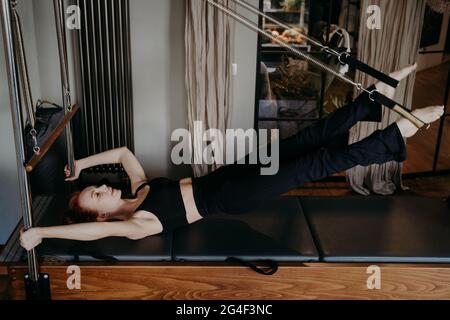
{"x":293,"y":81}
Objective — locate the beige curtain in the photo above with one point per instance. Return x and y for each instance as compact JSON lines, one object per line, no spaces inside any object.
{"x":395,"y":46}
{"x":209,"y":46}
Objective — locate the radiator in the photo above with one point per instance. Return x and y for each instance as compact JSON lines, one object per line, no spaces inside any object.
{"x":103,"y":47}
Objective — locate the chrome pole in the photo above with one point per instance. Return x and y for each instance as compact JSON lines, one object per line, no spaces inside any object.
{"x":58,"y":6}
{"x":22,"y":66}
{"x":16,"y":112}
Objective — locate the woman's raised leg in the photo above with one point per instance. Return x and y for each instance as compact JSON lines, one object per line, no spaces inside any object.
{"x":241,"y":194}
{"x":340,"y":121}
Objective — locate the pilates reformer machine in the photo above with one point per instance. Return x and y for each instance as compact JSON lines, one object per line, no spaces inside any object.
{"x":297,"y":233}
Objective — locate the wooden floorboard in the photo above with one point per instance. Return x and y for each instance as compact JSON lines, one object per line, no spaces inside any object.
{"x":435,"y":187}
{"x":438,"y":187}
{"x":3,"y":270}
{"x":307,"y":281}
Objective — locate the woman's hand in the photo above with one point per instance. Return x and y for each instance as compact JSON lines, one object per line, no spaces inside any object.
{"x":67,"y":172}
{"x":30,"y":239}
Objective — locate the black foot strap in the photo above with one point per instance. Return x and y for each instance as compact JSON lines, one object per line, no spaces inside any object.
{"x":353,"y":63}
{"x":381,"y":98}
{"x":397,"y":107}
{"x":79,"y":249}
{"x":270,"y":269}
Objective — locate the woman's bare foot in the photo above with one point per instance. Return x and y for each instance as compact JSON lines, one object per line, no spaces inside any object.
{"x":427,"y":115}
{"x":399,"y":75}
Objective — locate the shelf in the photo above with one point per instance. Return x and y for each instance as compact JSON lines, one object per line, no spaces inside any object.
{"x":290,"y":116}
{"x":281,"y":10}
{"x":275,"y":26}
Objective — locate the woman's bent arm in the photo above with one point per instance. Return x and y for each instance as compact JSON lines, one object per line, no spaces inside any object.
{"x":121,"y":155}
{"x":107,"y":157}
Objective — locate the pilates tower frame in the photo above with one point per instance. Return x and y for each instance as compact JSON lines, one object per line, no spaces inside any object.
{"x":37,"y":284}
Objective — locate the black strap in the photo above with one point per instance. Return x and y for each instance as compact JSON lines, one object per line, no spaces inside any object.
{"x":270,"y":269}
{"x":381,"y":98}
{"x":376,"y":96}
{"x":361,"y":66}
{"x":141,"y":187}
{"x":80,"y":249}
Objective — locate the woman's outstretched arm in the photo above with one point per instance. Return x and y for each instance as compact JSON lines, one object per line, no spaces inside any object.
{"x":133,"y":229}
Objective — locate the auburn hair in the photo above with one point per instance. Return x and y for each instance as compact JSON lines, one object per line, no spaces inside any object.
{"x":76,"y":214}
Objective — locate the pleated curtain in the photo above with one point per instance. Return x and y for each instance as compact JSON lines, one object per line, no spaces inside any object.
{"x":393,"y":47}
{"x":209,"y":41}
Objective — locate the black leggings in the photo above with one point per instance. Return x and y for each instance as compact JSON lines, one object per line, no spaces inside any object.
{"x":305,"y":157}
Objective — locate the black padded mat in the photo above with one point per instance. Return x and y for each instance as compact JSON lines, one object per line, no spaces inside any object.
{"x":277,"y":231}
{"x":380,"y":229}
{"x":156,"y":248}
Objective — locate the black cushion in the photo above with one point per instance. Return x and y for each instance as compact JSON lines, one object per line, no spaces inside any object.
{"x":380,"y":229}
{"x":276,"y":231}
{"x":156,"y":248}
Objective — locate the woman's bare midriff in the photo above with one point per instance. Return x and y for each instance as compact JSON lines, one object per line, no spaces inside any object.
{"x":187,"y":193}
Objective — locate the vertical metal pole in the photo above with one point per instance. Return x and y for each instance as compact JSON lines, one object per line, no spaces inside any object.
{"x":65,"y":82}
{"x":258,"y":73}
{"x":22,"y":66}
{"x":324,"y":74}
{"x":16,"y":112}
{"x":441,"y":126}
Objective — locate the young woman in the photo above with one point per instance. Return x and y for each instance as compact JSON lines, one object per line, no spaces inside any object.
{"x":162,"y":204}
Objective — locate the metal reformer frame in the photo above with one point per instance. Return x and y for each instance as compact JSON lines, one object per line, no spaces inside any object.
{"x":37,"y":285}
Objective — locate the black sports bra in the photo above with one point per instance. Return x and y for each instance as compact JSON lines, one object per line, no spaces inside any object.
{"x":164,"y":200}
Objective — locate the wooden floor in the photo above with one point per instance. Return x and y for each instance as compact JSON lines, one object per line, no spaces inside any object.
{"x":292,"y":282}
{"x":436,"y":187}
